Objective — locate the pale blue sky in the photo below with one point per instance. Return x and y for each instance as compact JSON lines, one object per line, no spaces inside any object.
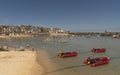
{"x":73,"y":15}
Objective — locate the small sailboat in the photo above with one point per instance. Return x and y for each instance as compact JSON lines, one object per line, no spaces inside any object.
{"x":62,"y":41}
{"x":47,"y":40}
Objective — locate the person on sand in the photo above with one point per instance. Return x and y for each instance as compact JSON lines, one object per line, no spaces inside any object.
{"x":33,"y":49}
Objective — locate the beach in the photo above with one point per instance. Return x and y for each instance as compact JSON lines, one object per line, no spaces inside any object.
{"x":19,"y":63}
{"x":44,"y":60}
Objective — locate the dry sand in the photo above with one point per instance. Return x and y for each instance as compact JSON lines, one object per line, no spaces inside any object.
{"x":19,"y":63}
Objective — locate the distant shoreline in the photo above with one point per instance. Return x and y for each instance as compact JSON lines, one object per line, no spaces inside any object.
{"x":15,"y":36}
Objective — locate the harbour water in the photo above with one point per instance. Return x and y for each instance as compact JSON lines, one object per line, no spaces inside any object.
{"x":72,"y":65}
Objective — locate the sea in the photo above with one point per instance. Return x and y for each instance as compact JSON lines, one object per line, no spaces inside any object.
{"x":71,"y":65}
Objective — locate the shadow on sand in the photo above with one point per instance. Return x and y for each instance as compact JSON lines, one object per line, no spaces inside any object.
{"x":61,"y":69}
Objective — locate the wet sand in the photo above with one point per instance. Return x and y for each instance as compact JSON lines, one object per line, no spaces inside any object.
{"x":45,"y":61}
{"x":19,"y":63}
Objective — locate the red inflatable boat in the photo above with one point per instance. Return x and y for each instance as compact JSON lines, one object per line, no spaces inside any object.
{"x":96,"y":61}
{"x":67,"y":54}
{"x":98,"y":50}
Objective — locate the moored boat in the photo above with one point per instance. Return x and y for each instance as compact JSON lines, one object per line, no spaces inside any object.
{"x":47,"y":40}
{"x":96,"y":61}
{"x":98,"y":50}
{"x":67,"y":54}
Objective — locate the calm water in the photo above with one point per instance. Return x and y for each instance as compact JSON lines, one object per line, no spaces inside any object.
{"x":73,"y":65}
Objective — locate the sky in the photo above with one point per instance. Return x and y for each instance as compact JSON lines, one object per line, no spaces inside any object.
{"x":71,"y":15}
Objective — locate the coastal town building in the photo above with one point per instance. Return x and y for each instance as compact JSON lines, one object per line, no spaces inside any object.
{"x":58,"y":32}
{"x":28,"y":30}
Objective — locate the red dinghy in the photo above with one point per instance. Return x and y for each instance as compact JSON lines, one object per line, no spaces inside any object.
{"x":67,"y":54}
{"x":96,"y":61}
{"x":98,"y":50}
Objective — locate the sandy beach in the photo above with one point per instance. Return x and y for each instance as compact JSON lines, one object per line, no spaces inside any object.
{"x":19,"y":63}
